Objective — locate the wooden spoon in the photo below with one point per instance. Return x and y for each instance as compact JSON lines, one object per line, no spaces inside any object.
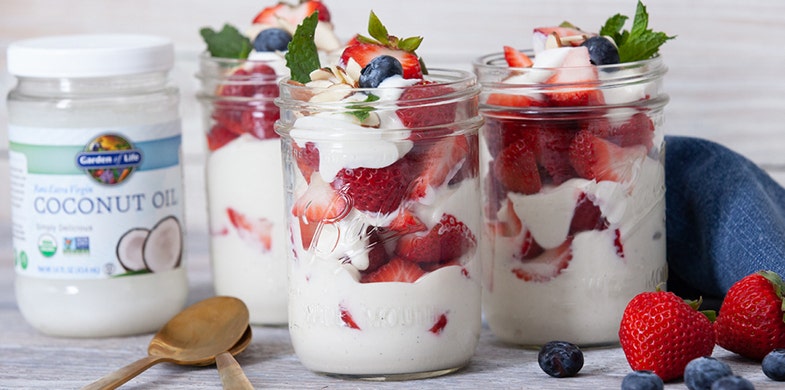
{"x":195,"y":336}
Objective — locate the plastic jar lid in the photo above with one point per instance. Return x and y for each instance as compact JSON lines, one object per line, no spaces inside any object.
{"x":90,"y":55}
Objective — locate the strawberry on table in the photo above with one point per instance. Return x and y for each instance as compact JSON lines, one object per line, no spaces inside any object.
{"x":660,"y":332}
{"x":751,"y":321}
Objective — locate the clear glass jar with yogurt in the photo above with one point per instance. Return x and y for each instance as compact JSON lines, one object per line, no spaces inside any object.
{"x":573,"y":197}
{"x":244,"y":181}
{"x":96,"y":186}
{"x":382,"y":200}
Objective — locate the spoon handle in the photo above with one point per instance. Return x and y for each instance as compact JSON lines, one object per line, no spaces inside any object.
{"x":232,"y":375}
{"x":118,"y":377}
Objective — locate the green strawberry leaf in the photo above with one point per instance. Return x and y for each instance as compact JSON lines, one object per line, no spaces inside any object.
{"x":302,"y":57}
{"x":640,"y":43}
{"x":228,"y":43}
{"x":779,"y":287}
{"x":377,"y":30}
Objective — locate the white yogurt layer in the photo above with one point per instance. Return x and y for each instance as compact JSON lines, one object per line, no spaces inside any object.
{"x":245,"y":175}
{"x":585,"y":302}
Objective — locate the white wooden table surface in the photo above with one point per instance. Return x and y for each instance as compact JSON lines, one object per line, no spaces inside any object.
{"x":726,"y":83}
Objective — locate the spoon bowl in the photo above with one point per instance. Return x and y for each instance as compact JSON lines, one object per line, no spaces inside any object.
{"x":195,"y":336}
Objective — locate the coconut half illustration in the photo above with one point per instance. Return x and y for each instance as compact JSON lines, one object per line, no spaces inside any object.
{"x":129,"y":249}
{"x":163,"y":247}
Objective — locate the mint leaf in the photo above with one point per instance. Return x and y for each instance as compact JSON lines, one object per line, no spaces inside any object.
{"x":638,"y":44}
{"x":361,"y":111}
{"x":302,"y":58}
{"x":228,"y":43}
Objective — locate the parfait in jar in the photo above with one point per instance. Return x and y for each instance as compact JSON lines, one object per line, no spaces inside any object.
{"x":382,"y":189}
{"x":573,"y":181}
{"x":239,"y":75}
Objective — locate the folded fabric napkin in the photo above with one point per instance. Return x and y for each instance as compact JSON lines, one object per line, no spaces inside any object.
{"x":725,"y":218}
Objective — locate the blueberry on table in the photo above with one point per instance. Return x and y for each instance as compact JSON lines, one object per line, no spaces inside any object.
{"x":272,"y":39}
{"x":642,"y":380}
{"x":602,"y":51}
{"x":733,"y":382}
{"x":379,"y":69}
{"x":774,"y":364}
{"x":560,"y":359}
{"x":701,"y":372}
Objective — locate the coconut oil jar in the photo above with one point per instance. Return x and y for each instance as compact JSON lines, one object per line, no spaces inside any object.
{"x":96,"y":184}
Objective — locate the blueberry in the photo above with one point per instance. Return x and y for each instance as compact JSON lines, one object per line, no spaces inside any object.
{"x":732,"y":382}
{"x":701,"y":372}
{"x":560,"y":359}
{"x":272,"y":39}
{"x":774,"y":364}
{"x":379,"y":69}
{"x":642,"y":380}
{"x":602,"y":51}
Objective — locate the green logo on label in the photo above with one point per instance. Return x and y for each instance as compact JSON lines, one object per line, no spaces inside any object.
{"x":47,"y":245}
{"x":23,"y":259}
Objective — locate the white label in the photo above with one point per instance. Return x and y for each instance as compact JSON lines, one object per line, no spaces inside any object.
{"x":96,"y":203}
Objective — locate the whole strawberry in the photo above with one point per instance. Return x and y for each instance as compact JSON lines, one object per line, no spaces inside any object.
{"x":660,"y":332}
{"x":750,"y":321}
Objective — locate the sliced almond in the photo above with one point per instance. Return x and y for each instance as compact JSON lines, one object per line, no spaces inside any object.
{"x":353,"y":69}
{"x":324,"y":37}
{"x":333,"y":93}
{"x":553,"y":41}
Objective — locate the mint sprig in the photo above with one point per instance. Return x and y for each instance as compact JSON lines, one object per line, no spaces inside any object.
{"x":302,"y":57}
{"x":227,"y":43}
{"x":361,"y":111}
{"x":640,"y":43}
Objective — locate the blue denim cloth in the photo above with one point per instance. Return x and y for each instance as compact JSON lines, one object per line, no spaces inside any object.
{"x":725,"y":218}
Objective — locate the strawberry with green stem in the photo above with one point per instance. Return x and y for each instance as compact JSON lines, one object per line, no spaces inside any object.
{"x":751,"y":321}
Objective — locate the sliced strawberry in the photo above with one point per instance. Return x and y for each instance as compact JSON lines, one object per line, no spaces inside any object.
{"x":307,"y":159}
{"x":494,"y":194}
{"x":259,"y":81}
{"x":346,"y":318}
{"x":294,"y":14}
{"x":546,"y":266}
{"x":439,"y":325}
{"x":554,"y":141}
{"x":396,"y":270}
{"x":529,"y":249}
{"x":515,"y":100}
{"x":320,"y":203}
{"x":598,"y":159}
{"x":516,"y":169}
{"x":576,"y":81}
{"x":438,"y":164}
{"x":218,"y":136}
{"x":574,"y":36}
{"x":449,"y":239}
{"x":422,"y":105}
{"x":470,"y":167}
{"x":501,"y":133}
{"x":377,"y":253}
{"x":516,"y":59}
{"x":587,"y":216}
{"x":376,"y":190}
{"x":406,"y":222}
{"x":638,"y":130}
{"x":364,"y":53}
{"x":260,"y":120}
{"x":257,"y":231}
{"x":507,"y":224}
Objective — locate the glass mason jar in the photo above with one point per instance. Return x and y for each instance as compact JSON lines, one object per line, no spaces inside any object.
{"x":382,"y":202}
{"x":243,"y":180}
{"x":573,"y":197}
{"x":96,"y":184}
